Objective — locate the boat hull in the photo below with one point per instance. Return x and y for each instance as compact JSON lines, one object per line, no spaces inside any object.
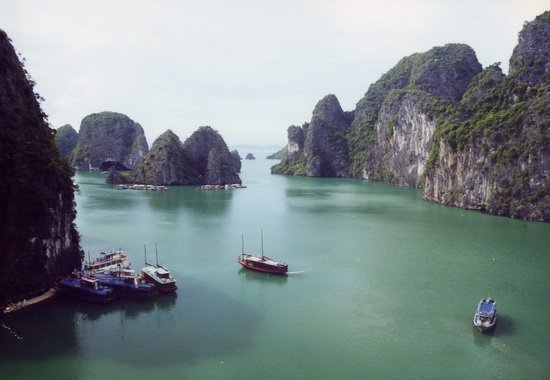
{"x":85,"y":294}
{"x":128,"y":290}
{"x":262,"y":268}
{"x":485,"y":326}
{"x":163,"y":287}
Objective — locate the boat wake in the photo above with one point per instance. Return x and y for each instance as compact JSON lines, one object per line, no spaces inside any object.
{"x":298,"y":271}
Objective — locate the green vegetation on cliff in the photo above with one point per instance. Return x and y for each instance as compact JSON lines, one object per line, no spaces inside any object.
{"x":38,"y":239}
{"x":66,"y":138}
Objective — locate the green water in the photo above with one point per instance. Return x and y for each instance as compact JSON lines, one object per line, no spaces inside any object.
{"x":383,"y":285}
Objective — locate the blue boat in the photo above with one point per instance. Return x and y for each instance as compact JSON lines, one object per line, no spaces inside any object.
{"x":85,"y":288}
{"x":126,"y":284}
{"x":485,"y":317}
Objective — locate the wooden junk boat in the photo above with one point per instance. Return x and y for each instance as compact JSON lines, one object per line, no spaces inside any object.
{"x":485,"y":317}
{"x":159,"y":275}
{"x":263,"y":263}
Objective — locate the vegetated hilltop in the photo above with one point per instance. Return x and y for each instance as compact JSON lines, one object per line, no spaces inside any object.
{"x":66,"y":138}
{"x":203,"y":159}
{"x":108,"y":139}
{"x":471,"y":138}
{"x":278,"y":155}
{"x":38,"y":238}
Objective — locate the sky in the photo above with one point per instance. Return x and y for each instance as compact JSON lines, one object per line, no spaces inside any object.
{"x":249,"y":69}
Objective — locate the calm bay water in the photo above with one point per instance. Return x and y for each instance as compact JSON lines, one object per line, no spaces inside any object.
{"x":383,"y":285}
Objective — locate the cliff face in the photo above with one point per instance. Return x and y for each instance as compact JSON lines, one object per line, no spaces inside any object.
{"x":38,"y":239}
{"x":470,"y":138}
{"x":210,"y":162}
{"x":66,"y":138}
{"x":319,"y":148}
{"x":164,"y":164}
{"x":492,"y":151}
{"x":203,"y":159}
{"x":109,"y":139}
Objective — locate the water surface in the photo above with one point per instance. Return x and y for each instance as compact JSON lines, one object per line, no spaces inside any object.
{"x":384,"y":285}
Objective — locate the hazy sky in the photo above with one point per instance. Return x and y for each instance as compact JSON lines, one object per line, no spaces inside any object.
{"x":249,"y":69}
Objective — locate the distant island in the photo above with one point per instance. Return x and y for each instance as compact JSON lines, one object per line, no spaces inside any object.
{"x":469,"y":137}
{"x":250,"y":156}
{"x":203,"y":159}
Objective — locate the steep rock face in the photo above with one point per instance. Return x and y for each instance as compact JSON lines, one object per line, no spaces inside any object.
{"x":38,"y":239}
{"x":473,"y":139}
{"x":66,"y":138}
{"x":493,"y":151}
{"x":109,"y":139}
{"x":203,"y":159}
{"x":236,"y":160}
{"x":530,"y":61}
{"x":319,"y":149}
{"x":210,"y":162}
{"x":395,"y":121}
{"x":164,"y":164}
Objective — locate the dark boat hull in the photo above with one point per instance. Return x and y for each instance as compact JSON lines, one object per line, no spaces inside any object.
{"x":262,"y":268}
{"x":85,"y":295}
{"x":129,"y":291}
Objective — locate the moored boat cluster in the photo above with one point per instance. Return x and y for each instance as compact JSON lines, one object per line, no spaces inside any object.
{"x":223,"y":187}
{"x":142,"y":187}
{"x":109,"y":276}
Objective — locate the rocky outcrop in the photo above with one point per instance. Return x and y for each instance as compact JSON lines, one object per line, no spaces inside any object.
{"x":492,"y":153}
{"x":66,"y":138}
{"x":203,"y":159}
{"x":210,"y":162}
{"x":109,"y":139}
{"x":250,"y":156}
{"x":236,"y":160}
{"x":165,"y":164}
{"x":38,"y":238}
{"x":319,"y":148}
{"x":469,"y":137}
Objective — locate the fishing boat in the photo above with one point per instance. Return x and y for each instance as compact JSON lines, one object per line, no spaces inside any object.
{"x":263,"y":263}
{"x":125,"y":283}
{"x":158,"y":275}
{"x":85,"y":288}
{"x":485,"y":317}
{"x":111,"y":260}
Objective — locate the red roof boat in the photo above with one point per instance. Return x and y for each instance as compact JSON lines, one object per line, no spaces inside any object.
{"x":261,"y":264}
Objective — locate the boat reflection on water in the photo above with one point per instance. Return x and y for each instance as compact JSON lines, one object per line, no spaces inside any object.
{"x":262,"y":278}
{"x":129,"y":308}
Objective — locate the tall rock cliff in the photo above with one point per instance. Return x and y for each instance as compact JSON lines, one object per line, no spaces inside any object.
{"x":319,"y":149}
{"x":492,"y":152}
{"x":210,"y":162}
{"x":469,"y":137}
{"x":38,"y":239}
{"x":109,"y":139}
{"x":66,"y":138}
{"x":164,"y":164}
{"x":203,"y":159}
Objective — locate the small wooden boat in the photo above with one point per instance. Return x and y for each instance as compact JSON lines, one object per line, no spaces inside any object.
{"x":485,"y":317}
{"x":85,"y":288}
{"x":263,"y":263}
{"x":159,"y":275}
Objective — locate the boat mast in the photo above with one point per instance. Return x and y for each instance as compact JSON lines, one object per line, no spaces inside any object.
{"x":145,"y":252}
{"x":242,"y":244}
{"x":156,"y":254}
{"x":262,"y":238}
